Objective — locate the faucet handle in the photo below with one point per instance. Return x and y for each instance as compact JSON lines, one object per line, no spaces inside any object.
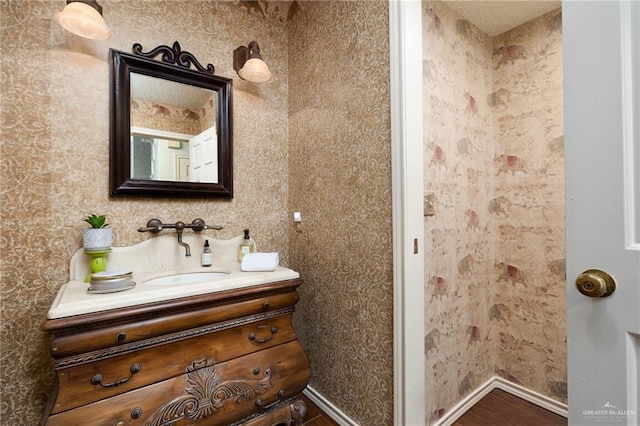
{"x":198,"y":225}
{"x":154,"y":225}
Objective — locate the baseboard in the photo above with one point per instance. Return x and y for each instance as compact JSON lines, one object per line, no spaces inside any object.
{"x":533,"y":397}
{"x":329,"y":409}
{"x":450,"y":417}
{"x":465,"y":405}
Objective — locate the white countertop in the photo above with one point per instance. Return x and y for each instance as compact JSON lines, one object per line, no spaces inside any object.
{"x":74,"y":299}
{"x":158,"y":256}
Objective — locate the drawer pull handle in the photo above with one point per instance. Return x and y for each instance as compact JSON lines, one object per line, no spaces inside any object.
{"x":274,"y":330}
{"x":136,"y":413}
{"x":260,"y":404}
{"x":97,"y":379}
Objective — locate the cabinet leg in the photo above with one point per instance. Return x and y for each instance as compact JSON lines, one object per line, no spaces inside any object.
{"x":298,"y":411}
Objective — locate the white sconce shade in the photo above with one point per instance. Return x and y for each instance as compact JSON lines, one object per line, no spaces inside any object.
{"x":84,"y":18}
{"x":248,"y":63}
{"x":255,"y":70}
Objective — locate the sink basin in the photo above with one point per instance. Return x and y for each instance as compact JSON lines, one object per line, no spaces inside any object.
{"x":188,"y":278}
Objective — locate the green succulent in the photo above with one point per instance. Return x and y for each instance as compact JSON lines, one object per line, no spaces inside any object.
{"x":96,"y":221}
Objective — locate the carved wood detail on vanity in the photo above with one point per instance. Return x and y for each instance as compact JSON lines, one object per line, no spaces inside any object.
{"x":218,"y":359}
{"x":206,"y":395}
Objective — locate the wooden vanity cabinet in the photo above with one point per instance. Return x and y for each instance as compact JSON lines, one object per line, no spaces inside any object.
{"x":227,"y":358}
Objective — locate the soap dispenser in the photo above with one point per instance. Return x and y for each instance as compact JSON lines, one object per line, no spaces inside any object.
{"x":206,"y":254}
{"x":246,"y":246}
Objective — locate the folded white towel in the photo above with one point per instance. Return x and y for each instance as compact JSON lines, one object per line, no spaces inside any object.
{"x":260,"y":262}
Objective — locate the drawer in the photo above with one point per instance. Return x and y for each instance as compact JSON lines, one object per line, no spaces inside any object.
{"x":144,"y":328}
{"x":84,"y":383}
{"x":290,"y":412}
{"x":208,"y":393}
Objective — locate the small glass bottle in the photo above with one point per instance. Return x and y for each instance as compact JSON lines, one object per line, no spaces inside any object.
{"x":246,"y":246}
{"x":206,"y":254}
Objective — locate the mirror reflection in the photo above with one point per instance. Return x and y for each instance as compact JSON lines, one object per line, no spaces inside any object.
{"x":173,"y":131}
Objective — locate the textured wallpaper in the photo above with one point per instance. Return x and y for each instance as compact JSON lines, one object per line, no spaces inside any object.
{"x":316,"y":139}
{"x":459,"y":345}
{"x":54,"y":144}
{"x":168,"y":118}
{"x":280,"y":11}
{"x":320,"y":145}
{"x":340,"y":180}
{"x":494,"y":165}
{"x":529,"y":224}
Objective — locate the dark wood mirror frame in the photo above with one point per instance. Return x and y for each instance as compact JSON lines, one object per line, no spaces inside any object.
{"x":121,"y":66}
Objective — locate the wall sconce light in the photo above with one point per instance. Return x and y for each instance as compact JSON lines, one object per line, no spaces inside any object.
{"x":84,"y":18}
{"x":249,"y":65}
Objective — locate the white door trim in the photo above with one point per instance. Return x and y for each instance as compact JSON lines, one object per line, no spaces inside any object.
{"x":405,"y":31}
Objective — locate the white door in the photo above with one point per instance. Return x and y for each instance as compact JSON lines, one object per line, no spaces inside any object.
{"x":602,"y":138}
{"x":203,"y":156}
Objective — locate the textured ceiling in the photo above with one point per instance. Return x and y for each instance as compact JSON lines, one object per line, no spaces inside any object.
{"x":169,"y":92}
{"x":496,"y":17}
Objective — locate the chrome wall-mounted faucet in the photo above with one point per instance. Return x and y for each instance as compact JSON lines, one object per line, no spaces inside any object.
{"x":198,"y":225}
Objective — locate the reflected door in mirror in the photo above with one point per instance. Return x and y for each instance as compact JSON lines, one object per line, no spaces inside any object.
{"x":174,"y":157}
{"x":204,"y":156}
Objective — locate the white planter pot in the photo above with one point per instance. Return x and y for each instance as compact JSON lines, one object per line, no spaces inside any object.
{"x":97,"y":239}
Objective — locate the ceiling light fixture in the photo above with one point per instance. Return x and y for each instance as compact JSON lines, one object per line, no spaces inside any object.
{"x":249,"y":65}
{"x":84,"y":18}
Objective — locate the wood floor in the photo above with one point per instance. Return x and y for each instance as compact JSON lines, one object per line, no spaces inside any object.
{"x":315,"y":416}
{"x":498,"y":408}
{"x":503,"y":409}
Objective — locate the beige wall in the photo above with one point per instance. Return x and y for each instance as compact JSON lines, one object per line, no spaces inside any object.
{"x":530,"y":303}
{"x":320,"y":146}
{"x":144,"y":114}
{"x":340,"y":180}
{"x":495,"y":286}
{"x":315,"y":140}
{"x":54,"y":146}
{"x":460,"y":349}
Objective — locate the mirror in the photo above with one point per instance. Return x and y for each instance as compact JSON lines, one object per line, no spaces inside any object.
{"x":170,"y":130}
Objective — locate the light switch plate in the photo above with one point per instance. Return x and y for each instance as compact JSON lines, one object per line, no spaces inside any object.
{"x":430,"y":204}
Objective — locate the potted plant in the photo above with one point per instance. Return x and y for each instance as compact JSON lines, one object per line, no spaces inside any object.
{"x":98,"y":237}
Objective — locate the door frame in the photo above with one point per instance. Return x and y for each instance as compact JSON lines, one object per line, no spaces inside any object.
{"x":405,"y":38}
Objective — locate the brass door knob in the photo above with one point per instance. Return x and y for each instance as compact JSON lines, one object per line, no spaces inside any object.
{"x":596,"y":283}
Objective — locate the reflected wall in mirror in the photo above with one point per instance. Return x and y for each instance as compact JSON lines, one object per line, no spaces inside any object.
{"x":173,"y":131}
{"x":170,"y":126}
